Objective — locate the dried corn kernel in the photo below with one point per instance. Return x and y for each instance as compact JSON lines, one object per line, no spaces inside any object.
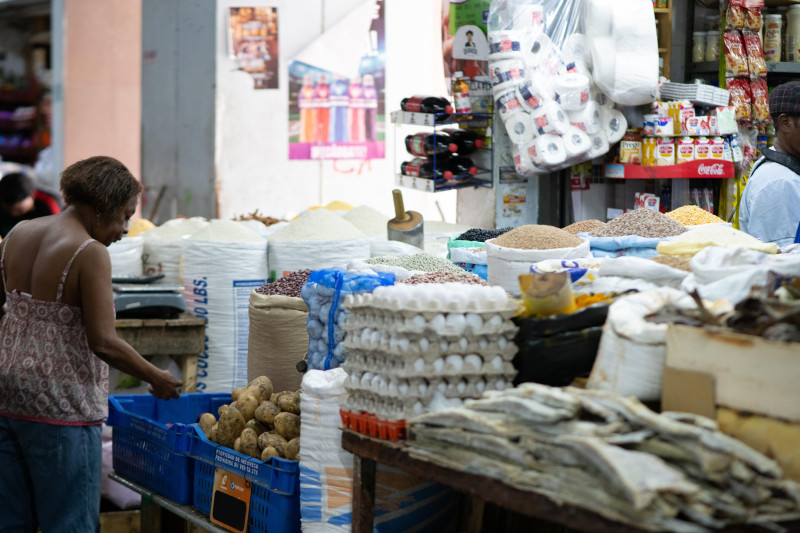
{"x":691,"y":215}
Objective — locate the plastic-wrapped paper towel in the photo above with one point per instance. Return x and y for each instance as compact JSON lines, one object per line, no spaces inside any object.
{"x":621,"y":37}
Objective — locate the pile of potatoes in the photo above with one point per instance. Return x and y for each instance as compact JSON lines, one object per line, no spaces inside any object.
{"x":258,"y":422}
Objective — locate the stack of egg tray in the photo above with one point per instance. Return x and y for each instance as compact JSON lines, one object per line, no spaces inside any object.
{"x":420,"y":348}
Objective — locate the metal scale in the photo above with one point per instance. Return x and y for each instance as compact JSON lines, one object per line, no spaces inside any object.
{"x":140,"y":297}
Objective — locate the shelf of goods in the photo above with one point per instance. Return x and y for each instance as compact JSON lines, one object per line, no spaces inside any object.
{"x":483,"y":178}
{"x":699,"y":168}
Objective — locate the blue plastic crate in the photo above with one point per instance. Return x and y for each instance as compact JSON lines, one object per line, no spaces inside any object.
{"x":275,"y":495}
{"x":150,"y":444}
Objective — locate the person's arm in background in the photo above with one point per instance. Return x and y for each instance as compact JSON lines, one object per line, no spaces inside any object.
{"x":97,"y":303}
{"x":775,"y":212}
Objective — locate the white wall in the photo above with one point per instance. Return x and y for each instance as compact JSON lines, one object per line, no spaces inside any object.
{"x":253,"y":166}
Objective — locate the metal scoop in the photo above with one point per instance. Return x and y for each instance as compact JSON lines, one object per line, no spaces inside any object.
{"x":406,"y":226}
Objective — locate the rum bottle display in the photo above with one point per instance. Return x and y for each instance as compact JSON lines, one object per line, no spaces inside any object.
{"x":305,"y":101}
{"x":323,"y":106}
{"x":463,"y":142}
{"x":422,"y":167}
{"x":426,"y":104}
{"x":356,"y":114}
{"x":370,"y":95}
{"x":339,"y":101}
{"x":428,"y":144}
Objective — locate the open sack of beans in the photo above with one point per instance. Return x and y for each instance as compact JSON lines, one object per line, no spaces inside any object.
{"x":278,"y":337}
{"x":635,"y":233}
{"x":513,"y":253}
{"x":468,"y":250}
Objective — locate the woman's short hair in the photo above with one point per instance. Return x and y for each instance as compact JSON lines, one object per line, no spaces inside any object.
{"x":100,"y":182}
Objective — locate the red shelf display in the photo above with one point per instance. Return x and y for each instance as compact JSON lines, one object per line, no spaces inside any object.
{"x":699,"y":168}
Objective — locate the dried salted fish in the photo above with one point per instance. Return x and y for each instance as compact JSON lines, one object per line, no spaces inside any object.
{"x":524,"y":409}
{"x":481,"y":443}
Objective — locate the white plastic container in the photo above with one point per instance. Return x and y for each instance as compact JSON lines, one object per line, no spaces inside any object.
{"x":772,"y":37}
{"x":698,"y":46}
{"x":793,"y":34}
{"x":712,"y":45}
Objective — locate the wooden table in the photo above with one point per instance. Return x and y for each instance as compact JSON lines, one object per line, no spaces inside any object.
{"x":542,"y":510}
{"x":184,"y":338}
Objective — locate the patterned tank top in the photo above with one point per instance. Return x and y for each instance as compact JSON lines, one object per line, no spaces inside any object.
{"x":48,"y":373}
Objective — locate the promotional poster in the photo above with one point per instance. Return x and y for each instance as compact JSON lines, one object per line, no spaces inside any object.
{"x":337,"y":89}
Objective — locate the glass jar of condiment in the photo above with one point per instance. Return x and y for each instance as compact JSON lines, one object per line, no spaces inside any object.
{"x":712,"y":45}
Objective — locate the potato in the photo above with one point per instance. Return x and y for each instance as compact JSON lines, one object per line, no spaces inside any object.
{"x":213,"y":434}
{"x":287,"y":425}
{"x":275,"y":397}
{"x":249,"y":436}
{"x":237,"y":392}
{"x":231,"y":424}
{"x":206,"y":422}
{"x":292,"y":450}
{"x":290,"y":403}
{"x":264,"y":386}
{"x":249,"y":445}
{"x":222,"y":409}
{"x":257,"y":426}
{"x":237,"y":444}
{"x":247,"y":404}
{"x":252,"y":450}
{"x":266,"y":412}
{"x":267,"y":440}
{"x":269,"y":452}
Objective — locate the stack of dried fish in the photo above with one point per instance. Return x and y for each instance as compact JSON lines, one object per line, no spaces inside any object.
{"x":611,"y":455}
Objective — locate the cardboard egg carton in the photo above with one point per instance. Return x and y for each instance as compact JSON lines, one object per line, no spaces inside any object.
{"x":451,"y":366}
{"x":409,"y":346}
{"x":442,"y":324}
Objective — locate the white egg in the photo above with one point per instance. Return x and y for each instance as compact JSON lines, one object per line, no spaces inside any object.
{"x":480,"y":386}
{"x":419,"y":323}
{"x":424,"y":344}
{"x":422,"y":387}
{"x":473,"y":361}
{"x":502,"y":343}
{"x":496,"y":321}
{"x":438,"y":323}
{"x":441,"y":387}
{"x":418,"y":408}
{"x":500,"y":385}
{"x":462,"y":387}
{"x":497,"y":362}
{"x":456,"y":322}
{"x":455,"y":362}
{"x":404,"y":344}
{"x":483,"y":343}
{"x":403,"y":388}
{"x":463,"y":343}
{"x":474,"y":321}
{"x":419,"y":364}
{"x":438,"y":365}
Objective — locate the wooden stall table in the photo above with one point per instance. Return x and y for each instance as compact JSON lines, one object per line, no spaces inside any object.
{"x":183,"y":338}
{"x":368,"y":451}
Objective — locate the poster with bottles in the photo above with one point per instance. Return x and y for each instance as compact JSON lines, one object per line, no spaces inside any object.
{"x":337,"y":90}
{"x":465,"y":48}
{"x":253,"y":43}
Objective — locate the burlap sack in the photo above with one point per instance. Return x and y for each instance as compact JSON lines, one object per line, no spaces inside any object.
{"x":278,"y":339}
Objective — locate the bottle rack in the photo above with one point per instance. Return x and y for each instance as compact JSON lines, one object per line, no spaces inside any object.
{"x":696,"y":169}
{"x":482,"y":157}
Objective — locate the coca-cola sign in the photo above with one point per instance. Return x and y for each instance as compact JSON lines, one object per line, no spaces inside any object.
{"x":715,"y":169}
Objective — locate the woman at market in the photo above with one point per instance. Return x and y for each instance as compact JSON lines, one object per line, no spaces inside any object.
{"x":57,"y":338}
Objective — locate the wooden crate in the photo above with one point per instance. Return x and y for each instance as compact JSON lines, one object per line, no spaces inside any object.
{"x":120,"y":522}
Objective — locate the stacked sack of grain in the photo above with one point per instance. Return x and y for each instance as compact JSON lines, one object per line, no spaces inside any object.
{"x":315,"y":240}
{"x":222,"y":264}
{"x":163,"y":251}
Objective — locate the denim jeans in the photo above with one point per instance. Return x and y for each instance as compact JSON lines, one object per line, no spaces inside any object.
{"x":50,"y":477}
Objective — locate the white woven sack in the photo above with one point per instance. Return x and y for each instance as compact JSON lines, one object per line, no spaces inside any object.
{"x":126,"y":256}
{"x":289,"y":256}
{"x":218,"y":278}
{"x":381,"y":247}
{"x":507,"y":264}
{"x":630,"y":359}
{"x":163,"y":256}
{"x":643,"y":269}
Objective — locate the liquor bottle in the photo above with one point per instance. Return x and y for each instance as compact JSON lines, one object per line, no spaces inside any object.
{"x":428,"y":144}
{"x":461,"y":94}
{"x":459,"y":167}
{"x":463,"y":142}
{"x":423,"y":167}
{"x":426,"y":104}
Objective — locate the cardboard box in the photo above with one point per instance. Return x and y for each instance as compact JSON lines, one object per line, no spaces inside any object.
{"x":747,"y":384}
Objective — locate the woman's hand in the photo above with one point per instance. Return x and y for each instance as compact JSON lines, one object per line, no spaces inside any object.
{"x":165,"y":386}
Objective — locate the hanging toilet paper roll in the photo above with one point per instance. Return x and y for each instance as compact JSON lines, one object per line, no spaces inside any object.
{"x":544,"y":56}
{"x":601,"y":98}
{"x":572,"y":91}
{"x":599,"y":147}
{"x":507,"y":72}
{"x":523,"y":162}
{"x":614,"y":126}
{"x":575,"y":50}
{"x":529,"y":18}
{"x":504,"y":44}
{"x":520,"y":127}
{"x":507,"y":102}
{"x":548,"y":151}
{"x":587,"y":119}
{"x":530,"y":96}
{"x":551,"y":118}
{"x":576,"y":143}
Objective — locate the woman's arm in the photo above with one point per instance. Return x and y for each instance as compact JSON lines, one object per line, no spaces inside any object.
{"x":98,"y":310}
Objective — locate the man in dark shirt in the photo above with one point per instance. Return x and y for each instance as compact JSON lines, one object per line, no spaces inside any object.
{"x":20,"y":199}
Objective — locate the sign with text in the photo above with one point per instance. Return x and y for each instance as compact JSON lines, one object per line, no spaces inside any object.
{"x":230,"y":502}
